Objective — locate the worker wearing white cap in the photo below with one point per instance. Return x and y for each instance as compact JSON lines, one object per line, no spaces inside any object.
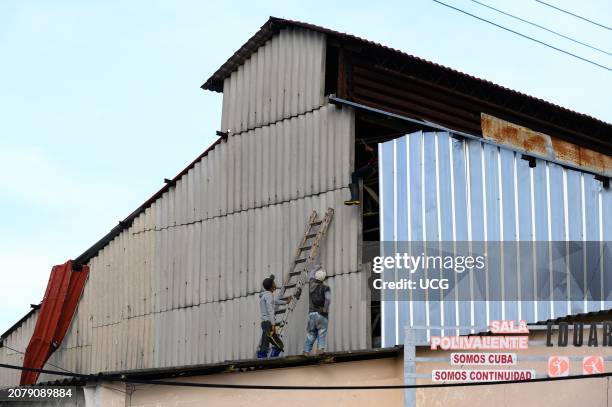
{"x":319,"y":300}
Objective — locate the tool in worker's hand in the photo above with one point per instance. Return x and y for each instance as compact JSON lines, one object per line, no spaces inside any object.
{"x":275,"y":339}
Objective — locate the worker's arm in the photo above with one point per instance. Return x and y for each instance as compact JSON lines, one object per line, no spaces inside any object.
{"x":367,"y":147}
{"x":280,"y":302}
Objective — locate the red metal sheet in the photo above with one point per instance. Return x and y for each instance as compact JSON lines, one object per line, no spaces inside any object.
{"x":56,"y":311}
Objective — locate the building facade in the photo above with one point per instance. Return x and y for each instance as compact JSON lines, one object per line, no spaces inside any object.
{"x":176,"y":283}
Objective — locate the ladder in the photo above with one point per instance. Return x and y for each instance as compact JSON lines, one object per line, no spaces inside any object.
{"x":305,"y":254}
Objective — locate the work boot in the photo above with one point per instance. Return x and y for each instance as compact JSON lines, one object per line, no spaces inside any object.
{"x":354,"y":188}
{"x":275,"y":353}
{"x":320,"y":351}
{"x":262,"y":355}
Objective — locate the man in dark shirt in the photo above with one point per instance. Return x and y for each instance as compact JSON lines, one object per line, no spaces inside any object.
{"x":319,"y":302}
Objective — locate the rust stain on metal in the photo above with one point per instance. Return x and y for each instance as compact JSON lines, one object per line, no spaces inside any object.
{"x":530,"y":141}
{"x":583,"y":157}
{"x":510,"y":134}
{"x":565,"y":151}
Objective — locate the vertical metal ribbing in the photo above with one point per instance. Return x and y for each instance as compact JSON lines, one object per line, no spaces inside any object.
{"x":505,"y":199}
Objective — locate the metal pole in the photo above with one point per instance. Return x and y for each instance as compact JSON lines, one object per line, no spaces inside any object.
{"x":409,"y":366}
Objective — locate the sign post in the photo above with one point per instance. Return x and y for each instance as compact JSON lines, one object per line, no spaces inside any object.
{"x":409,"y":366}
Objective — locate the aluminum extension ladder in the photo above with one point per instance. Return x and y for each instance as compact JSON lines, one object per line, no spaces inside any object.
{"x":298,"y":269}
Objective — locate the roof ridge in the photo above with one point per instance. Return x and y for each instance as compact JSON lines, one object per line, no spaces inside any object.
{"x":274,"y":24}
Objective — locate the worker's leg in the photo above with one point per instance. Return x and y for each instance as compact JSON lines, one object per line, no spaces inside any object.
{"x":275,"y":342}
{"x":264,"y":343}
{"x":358,"y":174}
{"x":311,"y":332}
{"x":322,"y":323}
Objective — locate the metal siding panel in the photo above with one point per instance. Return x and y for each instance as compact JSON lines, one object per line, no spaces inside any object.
{"x":242,"y":255}
{"x":470,"y":190}
{"x":187,"y":261}
{"x":204,"y":264}
{"x":284,"y":139}
{"x":509,"y":217}
{"x":177,"y":256}
{"x":230,"y":95}
{"x":111,"y":286}
{"x":297,"y":79}
{"x":272,"y":55}
{"x":174,"y":250}
{"x":225,"y":105}
{"x":195,"y":264}
{"x":128,"y":272}
{"x":166,"y":270}
{"x":386,"y":168}
{"x":445,"y":213}
{"x":252,"y":284}
{"x":228,"y":174}
{"x":248,"y":96}
{"x":214,"y":266}
{"x":105,"y":283}
{"x":260,"y":101}
{"x":278,"y":99}
{"x":122,"y":281}
{"x":288,"y":77}
{"x":526,"y":221}
{"x":283,"y":78}
{"x":138,"y":264}
{"x":236,"y":186}
{"x":223,"y":180}
{"x":236,"y":123}
{"x":492,"y":228}
{"x":150,"y":257}
{"x":235,"y":101}
{"x":251,"y":118}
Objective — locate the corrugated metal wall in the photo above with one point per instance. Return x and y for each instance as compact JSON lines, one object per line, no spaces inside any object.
{"x":207,"y":281}
{"x":180,"y":286}
{"x":13,"y":348}
{"x":284,"y":78}
{"x":438,"y":188}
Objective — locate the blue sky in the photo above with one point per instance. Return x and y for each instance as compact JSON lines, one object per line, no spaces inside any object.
{"x":99,"y":101}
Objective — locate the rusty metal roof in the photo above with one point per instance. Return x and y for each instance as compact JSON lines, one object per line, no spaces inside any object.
{"x":274,"y":24}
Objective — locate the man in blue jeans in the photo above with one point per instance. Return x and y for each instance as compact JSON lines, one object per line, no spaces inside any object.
{"x":319,"y":300}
